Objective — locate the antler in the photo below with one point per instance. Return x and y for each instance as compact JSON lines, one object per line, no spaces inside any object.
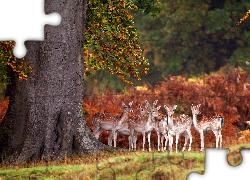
{"x":155,"y":102}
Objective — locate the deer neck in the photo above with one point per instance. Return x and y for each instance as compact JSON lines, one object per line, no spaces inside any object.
{"x":195,"y":120}
{"x":122,"y":119}
{"x":150,"y":119}
{"x":170,"y":122}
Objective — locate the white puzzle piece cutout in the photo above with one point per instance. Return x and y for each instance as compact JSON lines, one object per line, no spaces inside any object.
{"x":217,"y":167}
{"x":24,"y":20}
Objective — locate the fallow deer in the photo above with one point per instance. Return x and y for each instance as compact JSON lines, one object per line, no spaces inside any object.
{"x":176,"y":126}
{"x":124,"y":128}
{"x":143,"y":124}
{"x":204,"y":124}
{"x":105,"y":121}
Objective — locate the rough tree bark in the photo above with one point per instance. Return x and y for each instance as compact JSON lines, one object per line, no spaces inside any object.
{"x":45,"y":114}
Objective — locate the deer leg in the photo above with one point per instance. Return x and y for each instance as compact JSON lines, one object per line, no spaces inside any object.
{"x":130,"y":138}
{"x":202,"y":140}
{"x":115,"y":137}
{"x":166,"y":137}
{"x":98,"y":133}
{"x":135,"y":139}
{"x":176,"y":142}
{"x":220,"y":137}
{"x":149,"y":147}
{"x":217,"y":138}
{"x":129,"y":142}
{"x":190,"y":140}
{"x":143,"y":134}
{"x":185,"y":144}
{"x":110,"y":139}
{"x":159,"y":136}
{"x":170,"y":143}
{"x":162,"y":138}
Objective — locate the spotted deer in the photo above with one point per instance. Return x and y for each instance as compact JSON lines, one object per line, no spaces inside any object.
{"x":178,"y":125}
{"x":105,"y":121}
{"x":143,"y":124}
{"x":161,"y":128}
{"x":124,"y":128}
{"x":204,"y":124}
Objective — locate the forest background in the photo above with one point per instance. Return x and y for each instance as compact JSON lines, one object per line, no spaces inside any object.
{"x":187,"y":38}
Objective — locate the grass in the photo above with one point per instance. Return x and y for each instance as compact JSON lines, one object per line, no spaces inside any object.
{"x":121,"y":165}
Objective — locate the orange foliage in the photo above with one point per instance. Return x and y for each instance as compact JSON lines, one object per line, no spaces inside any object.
{"x":244,"y":17}
{"x":3,"y":107}
{"x":227,"y":95}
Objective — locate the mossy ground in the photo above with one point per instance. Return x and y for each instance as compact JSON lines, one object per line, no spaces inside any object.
{"x":120,"y":165}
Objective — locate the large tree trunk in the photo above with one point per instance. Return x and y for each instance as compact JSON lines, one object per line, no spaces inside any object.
{"x":45,"y":115}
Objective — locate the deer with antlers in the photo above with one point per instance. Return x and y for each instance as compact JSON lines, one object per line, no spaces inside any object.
{"x":109,"y":122}
{"x":178,"y":125}
{"x":143,"y":124}
{"x":205,"y":124}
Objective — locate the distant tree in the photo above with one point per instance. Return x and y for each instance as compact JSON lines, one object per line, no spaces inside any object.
{"x":192,"y":37}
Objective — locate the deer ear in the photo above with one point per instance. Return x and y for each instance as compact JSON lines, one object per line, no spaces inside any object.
{"x":192,"y":106}
{"x":159,"y":107}
{"x":123,"y":103}
{"x":130,"y":104}
{"x":139,"y":106}
{"x":199,"y":105}
{"x":174,"y":107}
{"x":155,"y":102}
{"x":146,"y":101}
{"x":165,"y":106}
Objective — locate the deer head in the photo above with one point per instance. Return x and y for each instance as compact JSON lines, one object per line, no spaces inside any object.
{"x":143,"y":112}
{"x":127,"y":109}
{"x":170,"y":110}
{"x":154,"y":111}
{"x":195,"y":109}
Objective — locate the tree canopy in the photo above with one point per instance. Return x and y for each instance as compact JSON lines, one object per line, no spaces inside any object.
{"x":7,"y":59}
{"x":111,"y":41}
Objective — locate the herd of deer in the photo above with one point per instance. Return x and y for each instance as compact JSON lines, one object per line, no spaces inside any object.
{"x":167,"y":127}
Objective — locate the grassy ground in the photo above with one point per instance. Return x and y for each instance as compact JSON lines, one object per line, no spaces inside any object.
{"x":120,"y":165}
